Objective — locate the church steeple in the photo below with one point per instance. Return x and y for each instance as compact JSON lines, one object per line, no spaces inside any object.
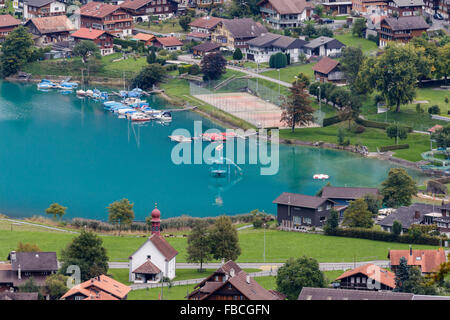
{"x":156,"y":221}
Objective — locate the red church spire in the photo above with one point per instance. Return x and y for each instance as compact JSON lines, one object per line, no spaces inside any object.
{"x":156,"y":221}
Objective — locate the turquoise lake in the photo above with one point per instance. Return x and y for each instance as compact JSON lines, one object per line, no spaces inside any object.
{"x":59,"y":148}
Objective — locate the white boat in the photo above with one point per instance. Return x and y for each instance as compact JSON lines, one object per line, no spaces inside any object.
{"x":123,"y":110}
{"x":81,"y":92}
{"x":163,"y":116}
{"x":139,"y":116}
{"x":89,"y":93}
{"x":320,"y":176}
{"x":180,"y":138}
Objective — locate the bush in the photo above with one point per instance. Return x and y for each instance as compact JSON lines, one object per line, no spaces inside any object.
{"x":434,"y":110}
{"x":331,"y":120}
{"x":194,"y":69}
{"x":184,"y":68}
{"x":278,"y":60}
{"x":394,"y":147}
{"x":257,"y":223}
{"x":358,"y":129}
{"x":170,"y":67}
{"x":376,"y":124}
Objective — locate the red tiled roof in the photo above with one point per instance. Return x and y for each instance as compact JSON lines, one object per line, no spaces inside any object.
{"x":434,"y":128}
{"x":143,"y":36}
{"x":198,"y":35}
{"x":163,"y":246}
{"x":98,"y":9}
{"x":428,"y":260}
{"x":289,"y":6}
{"x":7,"y":20}
{"x":205,"y":22}
{"x":325,"y":65}
{"x":372,"y":271}
{"x":106,"y":284}
{"x":134,"y":4}
{"x":87,"y":33}
{"x":147,"y":268}
{"x":169,"y":41}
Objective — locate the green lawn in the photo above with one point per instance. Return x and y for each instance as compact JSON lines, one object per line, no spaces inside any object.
{"x":348,"y":39}
{"x":371,"y":137}
{"x":168,"y":26}
{"x":288,"y":74}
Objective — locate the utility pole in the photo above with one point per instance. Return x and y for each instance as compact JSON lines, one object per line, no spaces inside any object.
{"x":320,"y":100}
{"x":264,"y":225}
{"x":279,"y":80}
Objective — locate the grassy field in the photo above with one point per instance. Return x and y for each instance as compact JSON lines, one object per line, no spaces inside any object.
{"x":168,"y":26}
{"x":321,"y":247}
{"x":371,"y":137}
{"x":348,"y":39}
{"x":288,"y":74}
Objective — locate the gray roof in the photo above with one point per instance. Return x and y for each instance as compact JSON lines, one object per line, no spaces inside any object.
{"x":35,"y":261}
{"x":406,"y":215}
{"x":347,"y":192}
{"x":244,"y":28}
{"x":330,"y":42}
{"x":278,"y":41}
{"x":18,"y":295}
{"x":407,"y":23}
{"x":39,"y":3}
{"x":408,"y":3}
{"x":347,"y":294}
{"x":300,"y":200}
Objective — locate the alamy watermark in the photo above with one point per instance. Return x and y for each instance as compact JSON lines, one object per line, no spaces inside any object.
{"x":232,"y":149}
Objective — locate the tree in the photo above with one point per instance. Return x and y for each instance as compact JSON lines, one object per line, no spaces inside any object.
{"x":359,"y":28}
{"x":296,"y":108}
{"x":121,"y":213}
{"x":29,"y":286}
{"x":332,"y":223}
{"x":373,"y":203}
{"x":396,"y":131}
{"x":396,"y":228}
{"x":184,"y":22}
{"x":237,"y":54}
{"x":17,"y":50}
{"x":409,"y":279}
{"x":149,"y":76}
{"x":442,"y":137}
{"x":301,"y":77}
{"x":318,"y":9}
{"x":278,"y":60}
{"x":401,"y":274}
{"x":224,"y":240}
{"x":443,"y":62}
{"x":56,"y":210}
{"x":85,"y":49}
{"x":55,"y":286}
{"x":27,"y":247}
{"x":357,"y":215}
{"x":213,"y":65}
{"x":198,"y":247}
{"x":151,"y":57}
{"x":398,"y":189}
{"x":87,"y":252}
{"x":299,"y":273}
{"x":351,"y":62}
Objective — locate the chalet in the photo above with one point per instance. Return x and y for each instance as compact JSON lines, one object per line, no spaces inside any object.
{"x":43,"y":8}
{"x":98,"y":288}
{"x":337,"y":7}
{"x":140,"y":10}
{"x":230,"y":282}
{"x":324,"y":46}
{"x":430,"y":6}
{"x":205,"y":48}
{"x":444,"y":9}
{"x":25,"y":265}
{"x":49,"y":30}
{"x":108,"y":17}
{"x":168,"y":43}
{"x":7,"y":24}
{"x":405,"y":8}
{"x":205,"y":4}
{"x":9,"y":296}
{"x":378,"y":7}
{"x":401,"y":29}
{"x":202,"y":28}
{"x":428,"y":261}
{"x":302,"y":210}
{"x":261,"y":48}
{"x":155,"y":258}
{"x":328,"y":70}
{"x":144,"y":37}
{"x":102,"y":38}
{"x":234,"y":33}
{"x":343,"y":195}
{"x":367,"y":277}
{"x":281,"y":14}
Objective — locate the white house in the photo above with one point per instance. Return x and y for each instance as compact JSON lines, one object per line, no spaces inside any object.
{"x":261,"y":48}
{"x":281,"y":14}
{"x":324,"y":46}
{"x":155,"y":258}
{"x":43,"y":8}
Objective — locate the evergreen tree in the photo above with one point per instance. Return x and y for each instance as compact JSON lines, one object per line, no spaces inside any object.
{"x":224,"y":240}
{"x":396,"y":228}
{"x":296,"y":109}
{"x":184,"y":22}
{"x":151,"y":57}
{"x":237,"y":54}
{"x":401,"y":274}
{"x":332,"y":223}
{"x":198,"y":246}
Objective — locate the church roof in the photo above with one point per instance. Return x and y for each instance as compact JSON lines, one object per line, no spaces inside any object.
{"x":147,"y":268}
{"x":163,"y":246}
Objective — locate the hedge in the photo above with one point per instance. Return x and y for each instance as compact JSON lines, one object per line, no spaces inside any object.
{"x":331,"y":120}
{"x":394,"y":147}
{"x":376,"y":124}
{"x":387,"y":236}
{"x":135,"y":45}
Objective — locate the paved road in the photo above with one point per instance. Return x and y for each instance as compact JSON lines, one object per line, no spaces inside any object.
{"x":38,"y":225}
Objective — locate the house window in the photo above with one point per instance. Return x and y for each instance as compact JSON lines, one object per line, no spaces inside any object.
{"x":307,"y":220}
{"x":319,"y":208}
{"x":149,"y":257}
{"x":358,"y":280}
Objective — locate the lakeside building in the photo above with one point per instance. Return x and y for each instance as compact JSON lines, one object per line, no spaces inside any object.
{"x":230,"y":282}
{"x":367,"y":277}
{"x":401,"y":29}
{"x":50,"y":30}
{"x":281,"y":14}
{"x":98,"y":288}
{"x":168,"y":43}
{"x":235,"y":33}
{"x":7,"y":24}
{"x":108,"y":17}
{"x":155,"y":259}
{"x":141,"y":10}
{"x":328,"y":70}
{"x":43,"y":8}
{"x":428,"y":261}
{"x":102,"y":38}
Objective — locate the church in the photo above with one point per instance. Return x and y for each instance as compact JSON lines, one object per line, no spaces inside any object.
{"x":155,"y":259}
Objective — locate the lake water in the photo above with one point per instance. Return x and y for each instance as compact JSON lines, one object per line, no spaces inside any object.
{"x":58,"y":148}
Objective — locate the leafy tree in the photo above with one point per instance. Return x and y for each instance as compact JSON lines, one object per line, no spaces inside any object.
{"x":350,"y":105}
{"x":121,"y":213}
{"x":213,"y":65}
{"x":29,"y":286}
{"x":27,"y":247}
{"x":332,"y":223}
{"x":351,"y":62}
{"x":149,"y":76}
{"x":299,"y":273}
{"x":55,"y":286}
{"x":56,"y":210}
{"x":237,"y":54}
{"x":301,"y":77}
{"x":396,"y":228}
{"x":198,"y":246}
{"x":359,"y":28}
{"x":16,"y":50}
{"x":184,"y":22}
{"x":87,"y":252}
{"x":341,"y":136}
{"x":296,"y":109}
{"x":443,"y":62}
{"x":324,"y":31}
{"x":442,"y":137}
{"x":85,"y":49}
{"x":309,"y":30}
{"x":318,"y":9}
{"x":224,"y":240}
{"x":358,"y":215}
{"x":398,"y":189}
{"x":396,"y":131}
{"x":373,"y":203}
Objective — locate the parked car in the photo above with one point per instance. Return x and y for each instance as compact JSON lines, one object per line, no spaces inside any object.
{"x":438,"y":16}
{"x":326,"y":20}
